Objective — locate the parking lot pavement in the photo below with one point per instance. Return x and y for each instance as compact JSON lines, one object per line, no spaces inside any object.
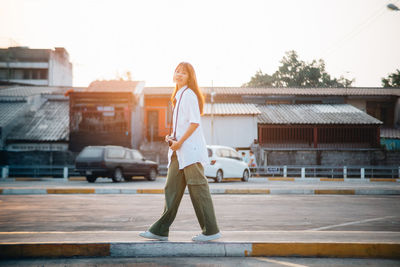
{"x":252,"y":225}
{"x":253,"y":186}
{"x":204,"y":261}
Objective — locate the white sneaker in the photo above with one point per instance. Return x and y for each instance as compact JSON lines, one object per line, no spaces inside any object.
{"x":203,"y":238}
{"x":150,"y":235}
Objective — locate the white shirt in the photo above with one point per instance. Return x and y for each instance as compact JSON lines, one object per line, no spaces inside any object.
{"x":194,"y":148}
{"x":254,"y":163}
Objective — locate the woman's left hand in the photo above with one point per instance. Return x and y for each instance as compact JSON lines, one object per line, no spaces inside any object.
{"x":175,"y":145}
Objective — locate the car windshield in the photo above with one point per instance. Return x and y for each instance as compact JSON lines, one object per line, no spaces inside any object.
{"x":91,"y":152}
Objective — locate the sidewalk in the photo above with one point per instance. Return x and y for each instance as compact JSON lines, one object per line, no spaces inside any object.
{"x":40,"y":227}
{"x":355,"y":244}
{"x":273,"y":186}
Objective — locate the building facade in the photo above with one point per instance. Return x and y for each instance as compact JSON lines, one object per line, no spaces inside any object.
{"x":106,"y":113}
{"x":230,"y":124}
{"x":44,"y":67}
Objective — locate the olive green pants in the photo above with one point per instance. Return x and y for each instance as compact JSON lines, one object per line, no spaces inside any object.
{"x":193,"y":176}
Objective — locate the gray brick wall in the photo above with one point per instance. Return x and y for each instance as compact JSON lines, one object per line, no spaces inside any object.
{"x":333,"y":158}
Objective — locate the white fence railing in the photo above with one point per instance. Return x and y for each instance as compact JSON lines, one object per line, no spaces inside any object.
{"x":58,"y":171}
{"x":330,"y":171}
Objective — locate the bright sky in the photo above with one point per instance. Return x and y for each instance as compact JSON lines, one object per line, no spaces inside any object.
{"x":226,"y":41}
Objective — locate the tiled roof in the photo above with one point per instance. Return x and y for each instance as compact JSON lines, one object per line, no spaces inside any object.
{"x":9,"y":111}
{"x":112,"y":86}
{"x":314,"y":114}
{"x":49,"y":123}
{"x":231,"y":109}
{"x":390,"y":133}
{"x":282,"y":91}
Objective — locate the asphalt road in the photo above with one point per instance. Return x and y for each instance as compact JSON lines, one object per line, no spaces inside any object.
{"x":234,"y":213}
{"x":202,"y":261}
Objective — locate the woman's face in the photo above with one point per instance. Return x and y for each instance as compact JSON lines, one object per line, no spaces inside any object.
{"x":181,"y":76}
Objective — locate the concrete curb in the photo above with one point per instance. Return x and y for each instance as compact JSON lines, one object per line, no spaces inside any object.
{"x":285,"y":179}
{"x":214,"y":191}
{"x":192,"y":249}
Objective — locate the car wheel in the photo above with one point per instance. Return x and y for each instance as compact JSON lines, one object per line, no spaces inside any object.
{"x":118,"y":175}
{"x":91,"y":179}
{"x":152,"y":175}
{"x":219,"y":176}
{"x":246,"y":175}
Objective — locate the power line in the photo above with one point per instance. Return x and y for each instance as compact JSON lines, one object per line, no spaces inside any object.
{"x":357,"y":30}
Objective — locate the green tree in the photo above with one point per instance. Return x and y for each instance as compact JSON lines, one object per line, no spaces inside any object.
{"x":260,"y":80}
{"x":393,"y":80}
{"x":296,"y":73}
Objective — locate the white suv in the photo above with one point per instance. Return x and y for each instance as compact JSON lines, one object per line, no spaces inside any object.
{"x":225,"y":162}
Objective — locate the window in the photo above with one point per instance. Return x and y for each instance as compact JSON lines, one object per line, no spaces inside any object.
{"x":35,"y":74}
{"x":3,"y":73}
{"x":128,"y":155}
{"x":92,"y":152}
{"x":90,"y":119}
{"x":209,"y":152}
{"x":234,"y":154}
{"x":137,"y":155}
{"x":43,"y":74}
{"x":115,"y":153}
{"x":27,"y":74}
{"x":224,"y":153}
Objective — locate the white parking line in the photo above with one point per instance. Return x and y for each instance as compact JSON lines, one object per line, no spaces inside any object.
{"x":281,"y":262}
{"x":350,"y":223}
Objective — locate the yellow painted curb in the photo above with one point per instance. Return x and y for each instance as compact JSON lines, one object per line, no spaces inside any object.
{"x":334,"y":192}
{"x":331,"y":179}
{"x":383,"y":180}
{"x":27,"y":179}
{"x":77,"y":178}
{"x":53,"y":250}
{"x":232,"y":179}
{"x":339,"y":250}
{"x":247,"y":191}
{"x":71,"y":191}
{"x":281,"y":179}
{"x":150,"y":191}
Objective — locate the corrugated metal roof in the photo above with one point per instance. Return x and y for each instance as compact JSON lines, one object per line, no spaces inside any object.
{"x":314,"y":114}
{"x":231,"y":109}
{"x":49,"y":123}
{"x":25,"y":91}
{"x":390,"y":133}
{"x":282,"y":91}
{"x":303,"y":91}
{"x":20,"y":93}
{"x":9,"y":111}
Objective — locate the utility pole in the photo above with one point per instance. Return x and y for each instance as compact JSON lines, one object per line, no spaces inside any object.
{"x":212,"y":112}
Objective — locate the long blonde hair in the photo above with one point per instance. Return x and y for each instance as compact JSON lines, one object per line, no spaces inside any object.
{"x":192,"y":84}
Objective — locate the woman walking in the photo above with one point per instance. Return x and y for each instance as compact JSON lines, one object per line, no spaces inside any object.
{"x":187,"y":155}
